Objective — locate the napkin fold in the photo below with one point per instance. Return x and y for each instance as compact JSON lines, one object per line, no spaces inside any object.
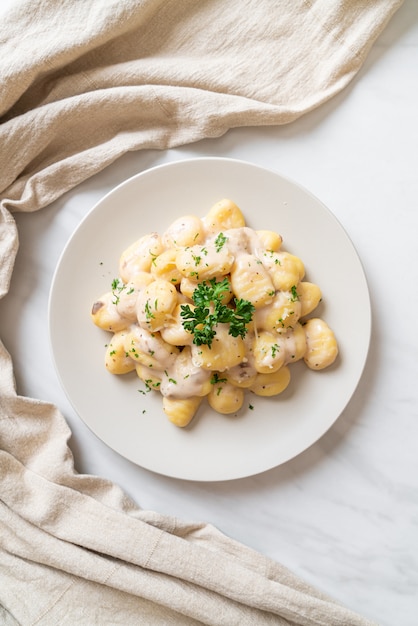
{"x":81,"y":84}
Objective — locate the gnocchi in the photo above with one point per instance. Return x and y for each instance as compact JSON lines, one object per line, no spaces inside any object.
{"x":212,"y":309}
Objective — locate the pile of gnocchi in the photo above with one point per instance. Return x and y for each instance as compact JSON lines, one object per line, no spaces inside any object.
{"x":211,"y":309}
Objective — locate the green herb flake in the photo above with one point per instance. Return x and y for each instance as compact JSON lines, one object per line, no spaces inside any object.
{"x":295,"y":295}
{"x":216,"y":380}
{"x":117,"y":287}
{"x":220,"y":241}
{"x":148,"y":312}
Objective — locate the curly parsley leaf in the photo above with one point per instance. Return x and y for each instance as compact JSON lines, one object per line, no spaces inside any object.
{"x":209,"y":311}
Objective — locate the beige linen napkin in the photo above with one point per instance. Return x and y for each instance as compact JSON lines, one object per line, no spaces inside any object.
{"x":81,"y":84}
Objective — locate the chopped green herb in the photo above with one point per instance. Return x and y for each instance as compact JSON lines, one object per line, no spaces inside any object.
{"x":295,"y":295}
{"x":117,"y":287}
{"x":148,"y":313}
{"x":210,"y":311}
{"x":215,"y":379}
{"x":220,"y":241}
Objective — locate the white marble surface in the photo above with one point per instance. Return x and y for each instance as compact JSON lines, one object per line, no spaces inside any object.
{"x":344,"y":514}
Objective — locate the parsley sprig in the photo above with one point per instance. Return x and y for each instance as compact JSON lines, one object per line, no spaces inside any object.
{"x":209,"y":311}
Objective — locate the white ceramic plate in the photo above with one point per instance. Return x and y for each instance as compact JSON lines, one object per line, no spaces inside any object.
{"x":214,"y":447}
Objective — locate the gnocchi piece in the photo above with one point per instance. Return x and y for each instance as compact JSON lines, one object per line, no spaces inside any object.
{"x":279,"y":315}
{"x":139,"y":256}
{"x":321,"y":345}
{"x":149,"y":349}
{"x":286,"y":269}
{"x":174,"y":332}
{"x":225,"y":352}
{"x":309,"y":296}
{"x":187,"y":287}
{"x":294,"y":344}
{"x":242,"y":375}
{"x":223,"y":215}
{"x":125,"y":296}
{"x":164,"y":266}
{"x":201,"y":263}
{"x":105,"y":314}
{"x":271,"y":384}
{"x":185,"y":231}
{"x":117,"y":360}
{"x":156,"y":304}
{"x":269,"y":352}
{"x":181,"y":411}
{"x":148,"y":376}
{"x":184,"y":373}
{"x":225,"y":398}
{"x":270,"y":240}
{"x":251,"y":281}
